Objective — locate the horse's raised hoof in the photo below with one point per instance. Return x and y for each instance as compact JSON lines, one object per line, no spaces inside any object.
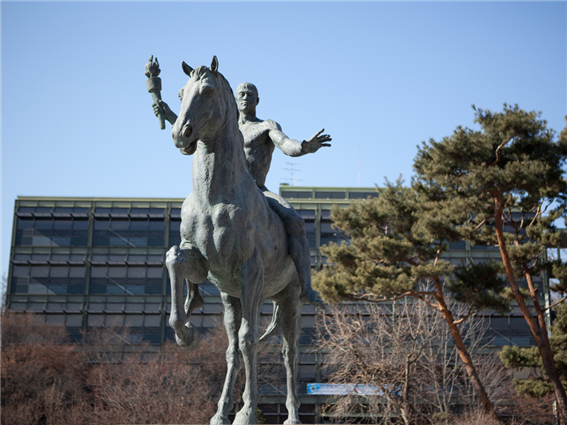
{"x":245,"y":417}
{"x":187,"y":338}
{"x":312,"y":297}
{"x":219,"y":419}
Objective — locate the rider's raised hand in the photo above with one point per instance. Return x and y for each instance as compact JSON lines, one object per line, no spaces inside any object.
{"x":169,"y":115}
{"x":317,"y":141}
{"x":164,"y":106}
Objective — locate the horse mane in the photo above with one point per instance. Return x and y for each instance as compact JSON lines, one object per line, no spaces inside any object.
{"x":203,"y":71}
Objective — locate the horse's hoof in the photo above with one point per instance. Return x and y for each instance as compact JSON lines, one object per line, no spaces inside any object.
{"x":292,"y":421}
{"x":312,"y":297}
{"x":220,"y":420}
{"x":187,"y":338}
{"x":245,"y":417}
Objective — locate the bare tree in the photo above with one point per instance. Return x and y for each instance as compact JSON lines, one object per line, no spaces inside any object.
{"x":520,"y":411}
{"x":404,"y":361}
{"x":42,"y":375}
{"x":3,"y":293}
{"x":107,"y":378}
{"x":48,"y":381}
{"x":441,"y":359}
{"x":172,"y":386}
{"x":530,"y":411}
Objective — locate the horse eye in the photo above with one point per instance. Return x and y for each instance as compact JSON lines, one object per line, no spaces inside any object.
{"x":207,"y":93}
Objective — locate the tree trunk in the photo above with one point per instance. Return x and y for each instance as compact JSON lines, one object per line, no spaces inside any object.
{"x":406,"y":406}
{"x":463,"y":352}
{"x":539,"y":332}
{"x":545,"y":339}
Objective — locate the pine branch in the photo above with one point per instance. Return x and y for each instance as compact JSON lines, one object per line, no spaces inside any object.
{"x":372,"y":298}
{"x":555,"y":303}
{"x":465,"y":317}
{"x":505,"y":142}
{"x":537,"y":214}
{"x":479,"y":226}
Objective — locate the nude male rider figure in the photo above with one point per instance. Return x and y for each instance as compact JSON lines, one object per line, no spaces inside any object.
{"x":260,"y":139}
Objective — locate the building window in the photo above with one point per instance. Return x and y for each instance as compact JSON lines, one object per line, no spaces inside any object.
{"x":329,"y":195}
{"x":328,"y":234}
{"x":306,"y":214}
{"x":135,"y":232}
{"x":56,"y":210}
{"x":362,"y":195}
{"x":296,"y":195}
{"x":133,"y":259}
{"x":126,"y":280}
{"x":48,"y":280}
{"x":174,"y":232}
{"x":310,"y":233}
{"x":140,"y":327}
{"x":48,"y":231}
{"x":458,"y":245}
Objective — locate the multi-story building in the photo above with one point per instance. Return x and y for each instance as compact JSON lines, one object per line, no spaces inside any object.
{"x":88,"y":262}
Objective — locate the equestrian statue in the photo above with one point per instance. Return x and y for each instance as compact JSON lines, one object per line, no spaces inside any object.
{"x":244,"y":239}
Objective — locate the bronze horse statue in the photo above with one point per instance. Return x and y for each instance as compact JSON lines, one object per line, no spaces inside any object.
{"x":231,"y":236}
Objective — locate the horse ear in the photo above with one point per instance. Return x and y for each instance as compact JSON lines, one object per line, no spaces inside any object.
{"x":215,"y":64}
{"x":186,"y":69}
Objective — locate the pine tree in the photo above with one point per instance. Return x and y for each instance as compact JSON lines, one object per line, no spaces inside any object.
{"x":515,"y":357}
{"x":509,"y":176}
{"x":396,"y":245}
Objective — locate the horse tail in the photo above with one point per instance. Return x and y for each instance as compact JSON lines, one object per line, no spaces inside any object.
{"x":274,"y":324}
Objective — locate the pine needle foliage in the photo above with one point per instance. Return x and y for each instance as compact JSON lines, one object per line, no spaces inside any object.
{"x":509,"y":176}
{"x":396,"y":242}
{"x":518,"y":358}
{"x":395,"y":250}
{"x":514,"y":158}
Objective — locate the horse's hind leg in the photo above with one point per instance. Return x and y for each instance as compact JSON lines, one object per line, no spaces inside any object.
{"x":184,"y":263}
{"x":290,"y":306}
{"x":232,"y":319}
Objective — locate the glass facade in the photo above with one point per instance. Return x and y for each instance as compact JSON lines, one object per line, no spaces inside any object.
{"x":51,"y":231}
{"x":89,"y":262}
{"x":128,"y":231}
{"x":48,"y":279}
{"x":126,"y":280}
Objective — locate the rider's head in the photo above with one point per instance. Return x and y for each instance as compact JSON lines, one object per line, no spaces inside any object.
{"x":247,"y":97}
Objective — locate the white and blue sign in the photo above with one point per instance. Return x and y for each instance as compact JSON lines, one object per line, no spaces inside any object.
{"x":344,"y":389}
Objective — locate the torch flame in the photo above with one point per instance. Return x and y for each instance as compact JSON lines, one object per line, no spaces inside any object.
{"x":152,"y":67}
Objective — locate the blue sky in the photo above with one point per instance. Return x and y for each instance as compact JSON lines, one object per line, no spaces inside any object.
{"x":380,"y":77}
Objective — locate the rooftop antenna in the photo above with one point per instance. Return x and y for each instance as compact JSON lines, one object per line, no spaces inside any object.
{"x":292,"y":171}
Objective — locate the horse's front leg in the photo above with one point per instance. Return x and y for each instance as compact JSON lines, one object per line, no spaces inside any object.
{"x":232,"y":319}
{"x":251,"y":299}
{"x":185,"y":263}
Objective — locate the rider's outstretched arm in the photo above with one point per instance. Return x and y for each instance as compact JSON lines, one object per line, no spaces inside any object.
{"x":293,"y":147}
{"x":288,"y":146}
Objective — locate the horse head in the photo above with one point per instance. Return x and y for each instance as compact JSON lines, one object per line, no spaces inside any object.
{"x":207,"y":103}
